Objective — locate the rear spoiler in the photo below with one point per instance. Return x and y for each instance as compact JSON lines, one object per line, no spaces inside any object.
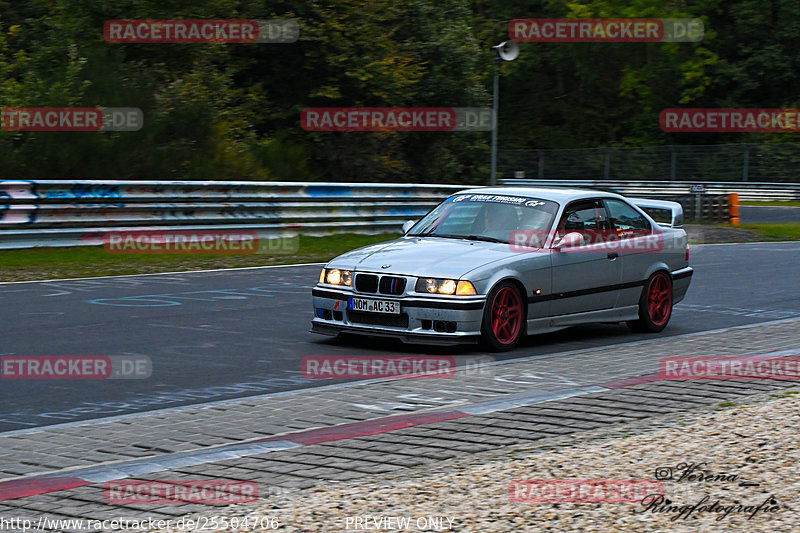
{"x":665,"y":213}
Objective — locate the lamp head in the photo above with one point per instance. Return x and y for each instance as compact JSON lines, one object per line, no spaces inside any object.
{"x":507,"y":50}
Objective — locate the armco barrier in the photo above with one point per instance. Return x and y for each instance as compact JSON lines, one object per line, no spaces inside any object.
{"x":747,"y":191}
{"x":707,"y":208}
{"x":68,"y":213}
{"x":719,"y":201}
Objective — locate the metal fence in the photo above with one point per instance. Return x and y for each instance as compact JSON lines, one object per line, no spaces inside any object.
{"x":764,"y":162}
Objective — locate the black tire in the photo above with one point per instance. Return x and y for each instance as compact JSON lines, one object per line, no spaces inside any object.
{"x":501,"y":303}
{"x":654,"y":312}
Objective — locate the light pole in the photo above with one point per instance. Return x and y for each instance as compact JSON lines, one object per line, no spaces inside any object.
{"x":506,"y":51}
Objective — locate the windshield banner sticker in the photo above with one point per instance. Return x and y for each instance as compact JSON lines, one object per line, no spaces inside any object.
{"x":500,"y":199}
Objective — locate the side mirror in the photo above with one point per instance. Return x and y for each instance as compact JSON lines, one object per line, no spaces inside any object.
{"x":407,"y":225}
{"x":570,"y":240}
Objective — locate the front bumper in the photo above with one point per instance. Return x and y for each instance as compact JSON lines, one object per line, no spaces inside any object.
{"x":422,"y":319}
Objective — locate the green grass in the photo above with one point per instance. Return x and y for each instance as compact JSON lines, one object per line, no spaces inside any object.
{"x":88,"y":261}
{"x":769,"y":203}
{"x":788,"y":231}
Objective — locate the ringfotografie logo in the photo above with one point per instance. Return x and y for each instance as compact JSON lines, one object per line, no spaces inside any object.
{"x":727,"y":503}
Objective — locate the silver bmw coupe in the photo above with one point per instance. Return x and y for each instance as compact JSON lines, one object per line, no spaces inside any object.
{"x":495,"y":263}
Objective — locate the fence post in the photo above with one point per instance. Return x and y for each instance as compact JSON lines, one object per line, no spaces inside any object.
{"x":673,"y":162}
{"x":745,"y":162}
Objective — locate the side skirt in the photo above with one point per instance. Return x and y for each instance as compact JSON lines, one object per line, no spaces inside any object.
{"x":554,"y":323}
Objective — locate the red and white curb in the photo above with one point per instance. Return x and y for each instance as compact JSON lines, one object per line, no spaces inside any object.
{"x":78,"y":477}
{"x":46,"y":483}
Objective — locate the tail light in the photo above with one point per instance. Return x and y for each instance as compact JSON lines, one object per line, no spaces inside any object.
{"x":687,"y":251}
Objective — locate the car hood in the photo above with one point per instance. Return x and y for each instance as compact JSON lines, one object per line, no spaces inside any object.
{"x":424,"y":257}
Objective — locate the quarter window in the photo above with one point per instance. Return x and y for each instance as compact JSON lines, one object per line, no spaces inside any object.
{"x":626,"y":220}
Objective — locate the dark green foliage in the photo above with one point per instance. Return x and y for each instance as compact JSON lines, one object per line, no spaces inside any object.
{"x":216,"y":111}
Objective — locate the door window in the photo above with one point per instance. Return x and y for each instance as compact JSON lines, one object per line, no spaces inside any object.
{"x":588,"y":218}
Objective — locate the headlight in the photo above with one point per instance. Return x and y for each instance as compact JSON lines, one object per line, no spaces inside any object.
{"x":430,"y":285}
{"x":445,"y":286}
{"x":448,"y":286}
{"x":334,"y":276}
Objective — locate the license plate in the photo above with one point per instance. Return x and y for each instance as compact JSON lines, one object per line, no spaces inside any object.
{"x":389,"y":307}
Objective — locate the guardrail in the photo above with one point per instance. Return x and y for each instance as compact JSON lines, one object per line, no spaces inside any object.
{"x":703,"y":208}
{"x":701,"y":201}
{"x":746,"y":191}
{"x":69,"y":213}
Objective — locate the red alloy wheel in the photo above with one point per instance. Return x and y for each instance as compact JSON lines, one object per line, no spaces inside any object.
{"x":506,"y":315}
{"x":659,"y":300}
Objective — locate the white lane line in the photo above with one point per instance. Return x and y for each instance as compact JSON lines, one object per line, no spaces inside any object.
{"x":161,"y":273}
{"x":769,"y":206}
{"x":124,"y":468}
{"x":742,"y":243}
{"x":335,"y":386}
{"x":502,"y":404}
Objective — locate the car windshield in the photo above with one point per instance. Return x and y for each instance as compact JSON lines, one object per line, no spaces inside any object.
{"x":486,"y":217}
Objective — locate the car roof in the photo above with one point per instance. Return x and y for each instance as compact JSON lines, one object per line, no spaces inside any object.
{"x":557,"y":194}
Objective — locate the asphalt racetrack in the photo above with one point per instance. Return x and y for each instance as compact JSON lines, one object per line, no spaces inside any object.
{"x":228,"y":334}
{"x":772,"y":214}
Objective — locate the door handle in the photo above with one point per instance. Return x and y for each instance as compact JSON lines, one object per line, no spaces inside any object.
{"x":613,"y":255}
